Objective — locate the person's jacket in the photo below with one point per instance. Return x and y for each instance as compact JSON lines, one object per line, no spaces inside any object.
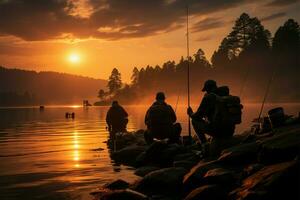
{"x":206,"y":108}
{"x":116,"y":115}
{"x":160,"y":114}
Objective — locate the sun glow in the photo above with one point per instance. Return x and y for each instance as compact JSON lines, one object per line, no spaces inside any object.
{"x":74,"y":58}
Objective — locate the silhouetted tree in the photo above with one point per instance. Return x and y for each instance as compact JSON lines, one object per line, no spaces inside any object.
{"x":101,"y":95}
{"x":247,"y":35}
{"x":114,"y":81}
{"x":135,"y":76}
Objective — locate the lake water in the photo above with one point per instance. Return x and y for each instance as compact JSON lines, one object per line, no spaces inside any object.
{"x":45,"y":156}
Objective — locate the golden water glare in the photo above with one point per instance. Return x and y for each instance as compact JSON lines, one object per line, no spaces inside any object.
{"x":76,"y":152}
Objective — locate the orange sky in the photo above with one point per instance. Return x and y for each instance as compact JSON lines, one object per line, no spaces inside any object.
{"x":107,"y":34}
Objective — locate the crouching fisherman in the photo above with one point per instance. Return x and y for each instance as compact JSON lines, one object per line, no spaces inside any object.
{"x":217,"y":114}
{"x":116,"y":119}
{"x":160,"y":121}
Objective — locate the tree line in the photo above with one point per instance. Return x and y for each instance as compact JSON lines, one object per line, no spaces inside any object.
{"x":245,"y":61}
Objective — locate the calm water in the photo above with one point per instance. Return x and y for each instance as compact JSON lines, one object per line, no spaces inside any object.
{"x":45,"y":156}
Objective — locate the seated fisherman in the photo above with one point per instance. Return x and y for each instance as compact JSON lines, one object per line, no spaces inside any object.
{"x":160,"y":120}
{"x":116,"y":119}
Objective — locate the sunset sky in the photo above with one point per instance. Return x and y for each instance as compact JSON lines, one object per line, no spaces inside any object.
{"x":90,"y":37}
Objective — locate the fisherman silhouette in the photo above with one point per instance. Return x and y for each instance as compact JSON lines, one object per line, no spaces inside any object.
{"x":217,"y":114}
{"x":116,"y":119}
{"x":160,"y":120}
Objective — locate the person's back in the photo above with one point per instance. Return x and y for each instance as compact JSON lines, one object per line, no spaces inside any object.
{"x":116,"y":118}
{"x":160,"y":119}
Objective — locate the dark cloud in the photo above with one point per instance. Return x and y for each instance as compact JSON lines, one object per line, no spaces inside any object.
{"x":281,"y":2}
{"x":273,"y":16}
{"x":207,"y":24}
{"x":110,"y":19}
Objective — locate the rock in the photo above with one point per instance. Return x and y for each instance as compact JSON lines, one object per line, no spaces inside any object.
{"x":166,"y":181}
{"x":190,"y":156}
{"x":123,"y":195}
{"x":280,"y":148}
{"x":166,"y":157}
{"x":186,"y":164}
{"x":194,"y":178}
{"x":217,"y":145}
{"x":277,"y":181}
{"x":240,"y":154}
{"x":207,"y":192}
{"x":160,"y":154}
{"x":141,"y":160}
{"x":128,"y":154}
{"x":143,"y":171}
{"x":251,"y":169}
{"x":127,"y":139}
{"x":117,"y":185}
{"x":219,"y":176}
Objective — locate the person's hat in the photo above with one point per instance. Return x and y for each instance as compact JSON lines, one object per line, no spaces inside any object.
{"x":209,"y":84}
{"x":160,"y":96}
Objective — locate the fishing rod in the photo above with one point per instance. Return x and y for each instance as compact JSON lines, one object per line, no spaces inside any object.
{"x":176,"y":105}
{"x":188,"y":66}
{"x":266,"y":94}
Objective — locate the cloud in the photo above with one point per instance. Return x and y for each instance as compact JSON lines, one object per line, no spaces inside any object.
{"x":35,"y":20}
{"x":273,"y":16}
{"x":281,"y":2}
{"x":208,"y":24}
{"x":204,"y":38}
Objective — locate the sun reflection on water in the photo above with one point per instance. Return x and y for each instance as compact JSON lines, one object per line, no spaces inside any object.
{"x":76,"y":152}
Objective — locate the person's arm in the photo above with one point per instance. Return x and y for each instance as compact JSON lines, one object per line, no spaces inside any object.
{"x":108,"y":119}
{"x":172,"y":114}
{"x":202,"y":109}
{"x":124,"y":112}
{"x":147,"y":117}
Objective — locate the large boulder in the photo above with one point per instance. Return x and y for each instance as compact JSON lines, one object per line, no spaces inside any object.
{"x":206,"y":192}
{"x":143,"y":171}
{"x":240,"y":154}
{"x":166,"y":181}
{"x":127,"y":139}
{"x":194,"y":178}
{"x":127,"y":194}
{"x":189,"y":156}
{"x":186,"y":164}
{"x":160,"y":154}
{"x":278,"y":181}
{"x":252,"y":168}
{"x":220,"y":176}
{"x":280,"y":148}
{"x":128,"y":154}
{"x":117,"y":185}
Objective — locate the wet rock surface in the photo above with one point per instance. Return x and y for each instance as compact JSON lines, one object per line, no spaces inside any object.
{"x":258,"y":167}
{"x":163,"y":181}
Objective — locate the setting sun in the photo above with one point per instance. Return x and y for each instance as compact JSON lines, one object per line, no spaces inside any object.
{"x":74,"y":58}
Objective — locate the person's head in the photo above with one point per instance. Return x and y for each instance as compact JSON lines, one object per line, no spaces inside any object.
{"x":223,"y":91}
{"x":115,"y":103}
{"x":209,"y":86}
{"x":160,"y":96}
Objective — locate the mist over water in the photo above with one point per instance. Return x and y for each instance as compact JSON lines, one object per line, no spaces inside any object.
{"x":45,"y":156}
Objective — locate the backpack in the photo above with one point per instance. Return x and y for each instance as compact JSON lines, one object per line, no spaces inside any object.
{"x":228,"y":111}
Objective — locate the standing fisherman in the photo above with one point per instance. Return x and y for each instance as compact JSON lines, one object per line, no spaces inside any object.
{"x":116,"y":119}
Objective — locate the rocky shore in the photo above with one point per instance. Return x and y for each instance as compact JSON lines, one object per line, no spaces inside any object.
{"x":248,"y":166}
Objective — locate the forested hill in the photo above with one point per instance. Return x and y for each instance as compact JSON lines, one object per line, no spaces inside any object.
{"x":247,"y":59}
{"x":21,"y":87}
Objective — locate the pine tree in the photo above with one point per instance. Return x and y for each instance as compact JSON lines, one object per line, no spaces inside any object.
{"x":114,"y":81}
